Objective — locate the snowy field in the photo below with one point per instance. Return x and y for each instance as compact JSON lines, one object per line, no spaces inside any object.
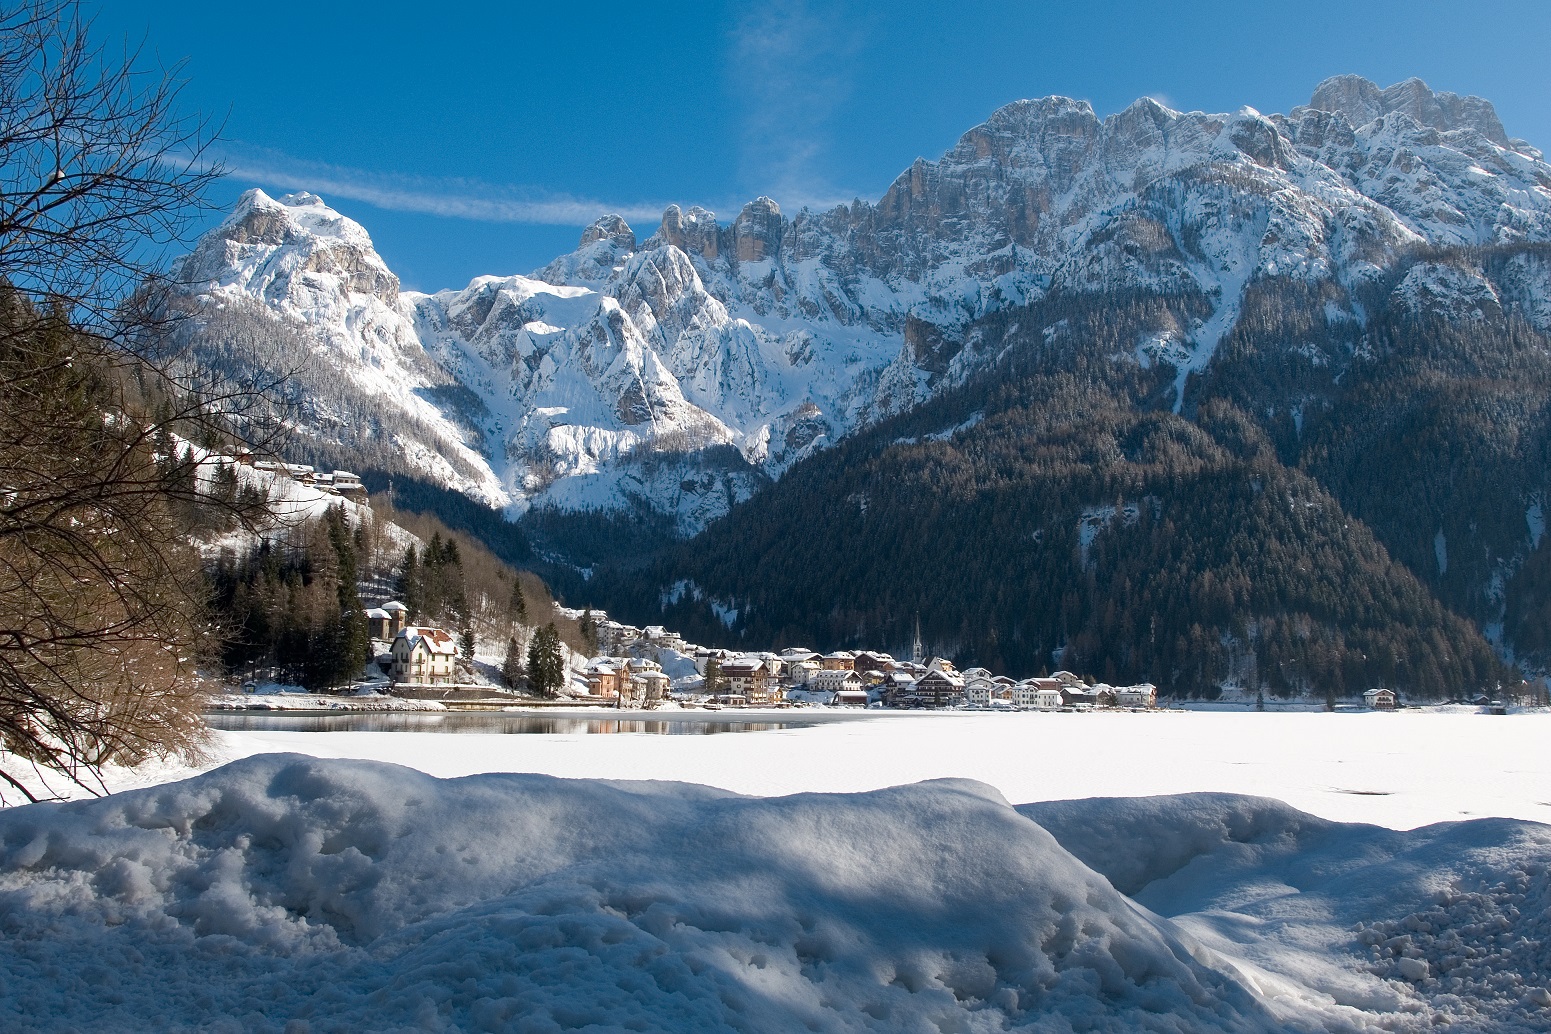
{"x":1400,"y":770}
{"x":787,"y":882}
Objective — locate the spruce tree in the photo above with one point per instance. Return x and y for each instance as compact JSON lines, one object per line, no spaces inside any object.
{"x":353,"y":643}
{"x":517,"y":605}
{"x":409,"y":582}
{"x":466,"y":644}
{"x":511,"y":667}
{"x":714,"y":683}
{"x":589,"y":630}
{"x":546,"y":664}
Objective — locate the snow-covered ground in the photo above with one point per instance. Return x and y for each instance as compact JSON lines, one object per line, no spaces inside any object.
{"x":785,"y":892}
{"x":1399,"y":770}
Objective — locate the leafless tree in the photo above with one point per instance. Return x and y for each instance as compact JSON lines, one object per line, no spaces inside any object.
{"x":102,"y":620}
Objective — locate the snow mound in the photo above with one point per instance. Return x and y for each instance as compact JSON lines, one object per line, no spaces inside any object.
{"x":1446,"y":926}
{"x":291,"y":893}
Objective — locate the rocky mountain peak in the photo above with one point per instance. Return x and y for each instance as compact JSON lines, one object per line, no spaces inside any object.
{"x":289,"y":249}
{"x":612,"y":228}
{"x":756,"y":233}
{"x":693,"y":232}
{"x":1048,"y":126}
{"x":1361,"y":101}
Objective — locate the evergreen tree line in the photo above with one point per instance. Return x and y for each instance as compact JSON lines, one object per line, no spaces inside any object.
{"x":1081,"y":524}
{"x":1435,"y":432}
{"x":291,"y":610}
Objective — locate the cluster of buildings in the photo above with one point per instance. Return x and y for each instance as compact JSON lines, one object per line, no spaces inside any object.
{"x":626,"y":675}
{"x":628,"y":681}
{"x":863,"y":678}
{"x":417,"y":654}
{"x":339,"y":482}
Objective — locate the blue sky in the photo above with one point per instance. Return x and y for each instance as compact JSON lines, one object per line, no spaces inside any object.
{"x":480,"y":138}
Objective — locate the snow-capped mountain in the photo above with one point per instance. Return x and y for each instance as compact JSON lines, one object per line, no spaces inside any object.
{"x":676,"y":372}
{"x":330,"y":310}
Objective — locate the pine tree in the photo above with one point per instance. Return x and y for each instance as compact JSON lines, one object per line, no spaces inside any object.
{"x":589,"y":630}
{"x":466,"y":644}
{"x":546,"y":664}
{"x":353,"y":644}
{"x":714,"y":683}
{"x":517,"y":606}
{"x":409,"y":582}
{"x":511,"y":666}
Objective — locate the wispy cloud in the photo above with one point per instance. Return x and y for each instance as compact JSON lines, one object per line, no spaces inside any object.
{"x":790,"y":67}
{"x":454,"y":198}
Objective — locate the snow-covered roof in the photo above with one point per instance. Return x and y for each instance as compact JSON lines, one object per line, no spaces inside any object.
{"x":377,"y":614}
{"x":438,"y":641}
{"x":395,"y":605}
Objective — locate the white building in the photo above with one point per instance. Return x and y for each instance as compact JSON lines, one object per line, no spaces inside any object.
{"x":424,"y":656}
{"x":1144,"y":695}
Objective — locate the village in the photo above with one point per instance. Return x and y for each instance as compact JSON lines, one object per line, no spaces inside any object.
{"x":651,"y":667}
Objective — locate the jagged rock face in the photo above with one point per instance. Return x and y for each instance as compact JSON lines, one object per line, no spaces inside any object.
{"x":756,"y":233}
{"x":330,"y":253}
{"x":694,"y":232}
{"x":336,"y":303}
{"x":779,"y":335}
{"x":611,"y":228}
{"x":1362,"y":102}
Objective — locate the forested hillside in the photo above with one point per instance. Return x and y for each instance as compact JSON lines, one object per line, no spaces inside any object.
{"x":1287,"y":531}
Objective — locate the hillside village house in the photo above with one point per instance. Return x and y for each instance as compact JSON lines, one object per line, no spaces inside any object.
{"x":941,"y":686}
{"x":801,"y":673}
{"x":1144,"y":695}
{"x":648,"y":687}
{"x":424,"y":656}
{"x":704,"y":656}
{"x":748,"y":678}
{"x":866,"y":662}
{"x":377,"y":624}
{"x":603,"y":678}
{"x":398,"y":617}
{"x":840,"y":660}
{"x":835,"y":681}
{"x":1381,"y":699}
{"x":977,"y":690}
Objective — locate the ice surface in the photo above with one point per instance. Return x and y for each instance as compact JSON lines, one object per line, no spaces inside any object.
{"x":1400,"y":770}
{"x":356,"y":895}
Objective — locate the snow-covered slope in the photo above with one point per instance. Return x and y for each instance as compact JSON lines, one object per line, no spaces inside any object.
{"x":339,"y":314}
{"x":288,"y":893}
{"x":776,"y":335}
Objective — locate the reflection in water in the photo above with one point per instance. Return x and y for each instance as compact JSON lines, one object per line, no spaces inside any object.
{"x":483,"y":722}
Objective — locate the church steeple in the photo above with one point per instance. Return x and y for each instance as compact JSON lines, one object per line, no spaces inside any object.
{"x":917,"y":651}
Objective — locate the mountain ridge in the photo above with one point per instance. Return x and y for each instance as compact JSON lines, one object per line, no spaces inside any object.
{"x":778,"y":335}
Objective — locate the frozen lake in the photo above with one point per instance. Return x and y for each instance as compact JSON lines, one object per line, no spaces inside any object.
{"x":501,"y":723}
{"x":822,"y":875}
{"x":1399,"y":770}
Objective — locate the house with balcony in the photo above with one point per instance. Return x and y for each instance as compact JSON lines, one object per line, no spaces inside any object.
{"x":424,"y":656}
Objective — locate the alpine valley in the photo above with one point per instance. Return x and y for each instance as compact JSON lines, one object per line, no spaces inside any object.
{"x":1179,"y":397}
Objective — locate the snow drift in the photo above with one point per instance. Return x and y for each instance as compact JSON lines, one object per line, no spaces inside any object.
{"x":292,"y":893}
